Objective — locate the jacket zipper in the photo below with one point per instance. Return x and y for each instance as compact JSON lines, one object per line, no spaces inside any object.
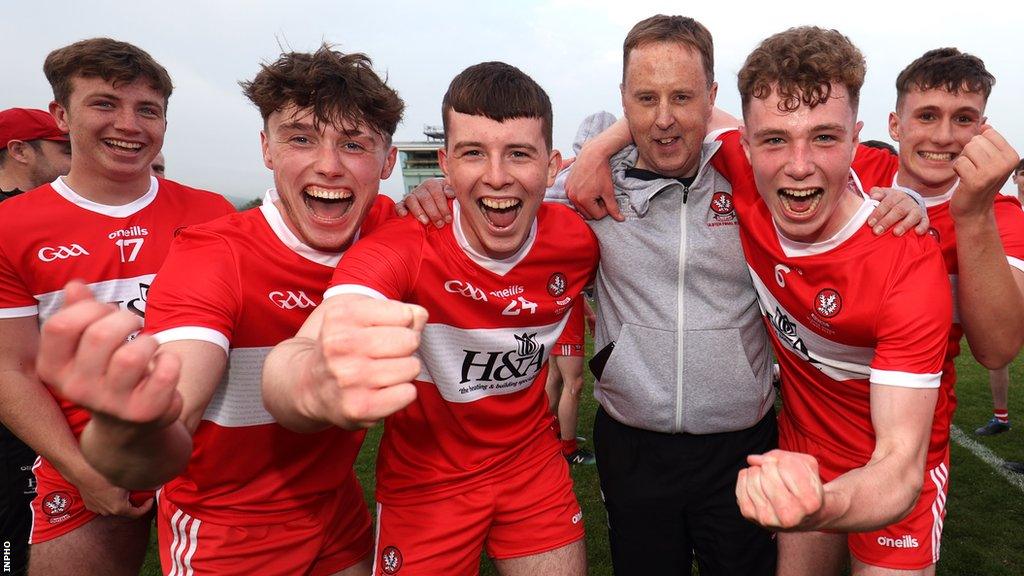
{"x":679,"y":311}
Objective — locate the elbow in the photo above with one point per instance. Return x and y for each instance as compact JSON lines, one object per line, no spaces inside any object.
{"x":997,"y":357}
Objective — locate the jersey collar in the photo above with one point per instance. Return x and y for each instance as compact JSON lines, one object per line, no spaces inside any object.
{"x":122,"y":211}
{"x":499,"y":267}
{"x":272,"y":214}
{"x":930,"y":201}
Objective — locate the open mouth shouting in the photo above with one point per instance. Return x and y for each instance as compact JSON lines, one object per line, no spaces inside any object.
{"x":500,"y":213}
{"x":327,"y":204}
{"x":800,"y":202}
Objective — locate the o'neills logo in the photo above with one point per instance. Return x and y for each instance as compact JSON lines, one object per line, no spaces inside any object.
{"x":907,"y":541}
{"x":130,"y":232}
{"x":500,"y":366}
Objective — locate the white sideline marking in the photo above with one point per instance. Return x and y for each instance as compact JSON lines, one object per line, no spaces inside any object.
{"x":986,"y":456}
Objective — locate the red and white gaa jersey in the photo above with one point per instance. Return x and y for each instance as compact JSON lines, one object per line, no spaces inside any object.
{"x":246,"y":283}
{"x":53,"y":235}
{"x":850,"y":311}
{"x":481,"y":409}
{"x":879,"y":168}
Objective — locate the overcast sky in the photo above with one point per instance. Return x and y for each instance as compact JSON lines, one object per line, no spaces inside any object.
{"x":571,"y":47}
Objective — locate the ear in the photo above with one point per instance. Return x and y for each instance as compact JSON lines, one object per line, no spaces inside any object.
{"x":389,"y":163}
{"x":18,"y":150}
{"x":713,"y":93}
{"x":744,"y":141}
{"x":856,"y":132}
{"x":442,"y":159}
{"x":894,"y":126}
{"x":268,"y":161}
{"x":554,"y":164}
{"x":60,"y":114}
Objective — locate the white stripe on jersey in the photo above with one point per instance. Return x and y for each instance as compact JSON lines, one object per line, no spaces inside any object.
{"x":183,"y":546}
{"x":237,"y":402}
{"x":939,"y":476}
{"x":837,"y":361}
{"x":125,"y":292}
{"x":469,"y":364}
{"x":353,"y":289}
{"x":200,"y":333}
{"x":19,"y":312}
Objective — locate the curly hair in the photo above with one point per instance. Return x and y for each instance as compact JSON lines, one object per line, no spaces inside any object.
{"x":341,"y":89}
{"x":498,"y":91}
{"x":800,"y":65}
{"x":112,"y":60}
{"x":948,"y":69}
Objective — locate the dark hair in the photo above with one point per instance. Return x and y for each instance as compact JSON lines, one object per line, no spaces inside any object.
{"x":500,"y":92}
{"x":801,"y":64}
{"x":1019,"y":168}
{"x":948,"y":69}
{"x":112,"y":60}
{"x":340,"y":88}
{"x":880,"y":145}
{"x":677,"y":29}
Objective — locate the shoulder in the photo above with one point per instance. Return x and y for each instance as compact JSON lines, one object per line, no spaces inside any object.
{"x":195,"y":198}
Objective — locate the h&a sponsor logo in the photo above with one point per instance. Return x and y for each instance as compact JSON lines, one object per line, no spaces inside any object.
{"x":48,"y":254}
{"x":465,"y":289}
{"x":391,"y":560}
{"x":906,"y":541}
{"x":289,"y":300}
{"x":503,"y":368}
{"x":137,"y":305}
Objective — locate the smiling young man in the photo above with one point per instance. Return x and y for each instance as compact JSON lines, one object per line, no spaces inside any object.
{"x":110,"y":224}
{"x":467,"y":461}
{"x":243,"y":495}
{"x":944,"y":141}
{"x":859,"y":324}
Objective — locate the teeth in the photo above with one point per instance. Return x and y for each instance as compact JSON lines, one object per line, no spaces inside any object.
{"x":124,"y":144}
{"x":325,"y":194}
{"x":946,"y":156}
{"x":666,"y":140}
{"x":496,"y":204}
{"x":798,"y":193}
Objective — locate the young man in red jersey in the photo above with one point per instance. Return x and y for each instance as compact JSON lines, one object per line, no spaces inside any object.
{"x":108,"y":223}
{"x":944,"y":140}
{"x":236,"y":481}
{"x":468,"y":461}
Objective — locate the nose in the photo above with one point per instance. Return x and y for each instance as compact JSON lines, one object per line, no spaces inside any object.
{"x":328,"y":161}
{"x":125,"y":121}
{"x":664,"y":120}
{"x":800,"y":165}
{"x":496,"y":176}
{"x":943,"y":133}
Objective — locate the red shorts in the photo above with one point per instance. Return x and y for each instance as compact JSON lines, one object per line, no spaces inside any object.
{"x":912,"y":543}
{"x":570,"y":342}
{"x":526,"y":513}
{"x":909,"y":544}
{"x":57,"y":508}
{"x":333,"y":536}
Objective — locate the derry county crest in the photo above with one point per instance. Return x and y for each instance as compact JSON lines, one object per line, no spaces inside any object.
{"x":723,"y":212}
{"x":391,"y":560}
{"x":828,"y":303}
{"x":556,"y":284}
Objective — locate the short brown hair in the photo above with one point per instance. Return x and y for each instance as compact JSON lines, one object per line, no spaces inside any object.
{"x":340,"y":88}
{"x":677,"y":29}
{"x":948,"y":69}
{"x":500,"y":92}
{"x":801,"y":64}
{"x":112,"y":60}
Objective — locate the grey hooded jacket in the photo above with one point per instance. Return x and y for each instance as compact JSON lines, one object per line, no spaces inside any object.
{"x":674,"y":293}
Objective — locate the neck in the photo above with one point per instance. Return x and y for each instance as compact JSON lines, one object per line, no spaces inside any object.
{"x":921,"y":188}
{"x":106,"y":191}
{"x":12,"y":181}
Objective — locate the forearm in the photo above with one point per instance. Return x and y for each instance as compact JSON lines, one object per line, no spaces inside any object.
{"x":614,"y":138}
{"x":136,"y":457}
{"x":867,"y":498}
{"x":31,"y":413}
{"x":288,"y":374}
{"x":989,"y":299}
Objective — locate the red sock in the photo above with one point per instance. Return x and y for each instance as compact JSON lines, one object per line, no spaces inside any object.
{"x":1002,"y":415}
{"x":569,"y":446}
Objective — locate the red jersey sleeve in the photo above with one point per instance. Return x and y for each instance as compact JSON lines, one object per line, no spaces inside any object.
{"x":386,"y":263}
{"x":731,"y":162}
{"x":1010,"y":220}
{"x":16,"y":300}
{"x":875,"y":167}
{"x":179,"y":307}
{"x":913,"y":320}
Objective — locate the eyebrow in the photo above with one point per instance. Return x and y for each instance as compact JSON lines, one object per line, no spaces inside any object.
{"x":512,"y":146}
{"x":114,"y":96}
{"x":770,"y":132}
